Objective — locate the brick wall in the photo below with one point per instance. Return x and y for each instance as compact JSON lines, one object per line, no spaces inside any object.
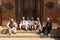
{"x":53,"y":12}
{"x":7,"y":14}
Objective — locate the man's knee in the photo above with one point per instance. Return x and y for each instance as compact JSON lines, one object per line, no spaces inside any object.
{"x":14,"y":30}
{"x":20,"y":25}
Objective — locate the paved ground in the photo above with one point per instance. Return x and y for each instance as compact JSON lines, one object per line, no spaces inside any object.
{"x":28,"y":39}
{"x":23,"y":34}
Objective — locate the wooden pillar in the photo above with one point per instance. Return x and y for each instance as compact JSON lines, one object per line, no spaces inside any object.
{"x":17,"y":11}
{"x":41,"y":11}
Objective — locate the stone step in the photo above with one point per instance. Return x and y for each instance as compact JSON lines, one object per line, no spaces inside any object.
{"x":21,"y":35}
{"x":5,"y":30}
{"x":26,"y":35}
{"x":29,"y":38}
{"x":29,"y":31}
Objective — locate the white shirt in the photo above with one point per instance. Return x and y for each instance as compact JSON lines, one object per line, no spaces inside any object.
{"x":38,"y":23}
{"x":23,"y":22}
{"x":28,"y":22}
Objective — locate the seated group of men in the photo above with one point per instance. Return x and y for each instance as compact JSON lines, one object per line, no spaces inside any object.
{"x":28,"y":24}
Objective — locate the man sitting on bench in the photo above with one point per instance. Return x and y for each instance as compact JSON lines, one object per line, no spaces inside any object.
{"x":23,"y":24}
{"x":12,"y":26}
{"x":38,"y":24}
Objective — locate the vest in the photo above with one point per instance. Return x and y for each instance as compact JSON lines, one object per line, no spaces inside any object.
{"x":11,"y":25}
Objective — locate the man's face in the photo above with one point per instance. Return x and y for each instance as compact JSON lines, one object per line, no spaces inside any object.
{"x":28,"y":18}
{"x":23,"y":18}
{"x":48,"y":19}
{"x":31,"y":18}
{"x":38,"y":19}
{"x":12,"y":20}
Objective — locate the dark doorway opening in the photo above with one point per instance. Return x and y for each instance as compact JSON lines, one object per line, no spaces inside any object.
{"x":29,"y":8}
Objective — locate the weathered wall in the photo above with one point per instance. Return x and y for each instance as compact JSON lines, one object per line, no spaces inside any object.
{"x":7,"y":14}
{"x":52,"y":13}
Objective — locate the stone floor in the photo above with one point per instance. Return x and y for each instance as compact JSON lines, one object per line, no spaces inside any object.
{"x":25,"y":35}
{"x":29,"y":39}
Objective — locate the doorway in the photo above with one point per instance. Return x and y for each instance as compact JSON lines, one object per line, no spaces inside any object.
{"x":29,"y":8}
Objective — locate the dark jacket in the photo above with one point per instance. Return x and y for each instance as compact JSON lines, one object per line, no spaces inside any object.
{"x":49,"y":25}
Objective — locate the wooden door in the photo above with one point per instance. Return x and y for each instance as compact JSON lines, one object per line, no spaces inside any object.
{"x":29,"y":8}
